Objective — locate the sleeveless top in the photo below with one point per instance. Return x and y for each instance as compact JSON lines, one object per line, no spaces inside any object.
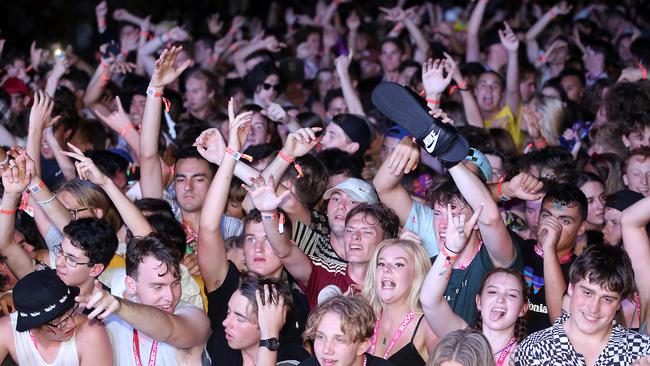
{"x":121,"y":335}
{"x":408,"y":355}
{"x":27,"y":353}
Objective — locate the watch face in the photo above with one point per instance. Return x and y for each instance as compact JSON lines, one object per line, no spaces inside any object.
{"x":272,"y":344}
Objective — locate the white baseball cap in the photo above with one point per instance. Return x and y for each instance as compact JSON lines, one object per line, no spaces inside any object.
{"x":359,"y":190}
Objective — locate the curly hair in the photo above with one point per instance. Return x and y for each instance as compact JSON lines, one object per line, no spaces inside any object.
{"x":95,"y":237}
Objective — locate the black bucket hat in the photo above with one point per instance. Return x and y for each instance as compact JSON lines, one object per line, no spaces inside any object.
{"x":40,"y":297}
{"x":405,"y":107}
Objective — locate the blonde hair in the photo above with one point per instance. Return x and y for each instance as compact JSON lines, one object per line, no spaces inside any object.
{"x":90,"y":195}
{"x":421,"y":265}
{"x":357,"y":317}
{"x":468,"y":346}
{"x":551,"y":123}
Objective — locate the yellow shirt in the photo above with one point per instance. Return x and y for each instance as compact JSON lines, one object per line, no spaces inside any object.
{"x":506,"y":120}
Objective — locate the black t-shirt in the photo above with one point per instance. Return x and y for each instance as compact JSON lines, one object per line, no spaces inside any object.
{"x":372,"y":361}
{"x":290,"y":335}
{"x":537,"y":315}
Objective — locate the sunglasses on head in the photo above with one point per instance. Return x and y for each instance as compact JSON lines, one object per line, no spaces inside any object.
{"x":268,"y":86}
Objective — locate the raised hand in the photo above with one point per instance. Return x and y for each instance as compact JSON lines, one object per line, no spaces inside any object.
{"x":101,"y":301}
{"x":342,"y":63}
{"x":524,"y":186}
{"x":404,"y":158}
{"x":276,"y":113}
{"x":549,"y":231}
{"x":444,"y":118}
{"x":120,"y":14}
{"x":562,"y":8}
{"x":211,"y":146}
{"x":40,"y":116}
{"x":393,"y":14}
{"x":300,"y":142}
{"x":18,"y":172}
{"x":86,"y":168}
{"x":263,"y":194}
{"x":239,"y":126}
{"x":119,"y":120}
{"x":433,"y":77}
{"x":272,"y":45}
{"x":508,"y":38}
{"x":271,"y":312}
{"x":459,"y":230}
{"x":121,"y":67}
{"x":165,"y":71}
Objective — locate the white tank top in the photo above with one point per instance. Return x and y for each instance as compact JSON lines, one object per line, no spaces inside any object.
{"x":121,"y":335}
{"x":27,"y":353}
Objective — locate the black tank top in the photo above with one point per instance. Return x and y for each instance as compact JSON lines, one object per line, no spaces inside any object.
{"x":408,"y":355}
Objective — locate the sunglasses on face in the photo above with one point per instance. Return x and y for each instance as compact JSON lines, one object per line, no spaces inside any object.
{"x":268,"y":86}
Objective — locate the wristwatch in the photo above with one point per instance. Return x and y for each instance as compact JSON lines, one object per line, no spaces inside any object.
{"x":273,"y":344}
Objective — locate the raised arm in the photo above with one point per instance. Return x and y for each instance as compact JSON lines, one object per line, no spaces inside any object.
{"x":510,"y":41}
{"x":434,"y":80}
{"x":532,"y":46}
{"x":472,"y":110}
{"x":60,"y":67}
{"x":439,"y":314}
{"x":16,"y":176}
{"x":211,"y":248}
{"x":473,"y":29}
{"x":298,"y":144}
{"x":39,"y":118}
{"x":267,"y":201}
{"x":165,"y":72}
{"x":130,"y":214}
{"x":548,"y":235}
{"x":120,"y":122}
{"x":423,"y":47}
{"x":269,"y":43}
{"x":349,"y":94}
{"x":491,"y":226}
{"x":637,"y":244}
{"x":184,"y":329}
{"x":388,"y":179}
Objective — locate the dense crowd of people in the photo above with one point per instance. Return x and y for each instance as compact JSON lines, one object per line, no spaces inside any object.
{"x":335,"y":183}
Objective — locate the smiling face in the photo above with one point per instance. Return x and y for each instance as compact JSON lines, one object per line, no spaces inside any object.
{"x":362,"y":236}
{"x":501,"y":302}
{"x":241,"y":327}
{"x":332,"y":347}
{"x":156,"y":284}
{"x":394,"y":274}
{"x":258,"y":253}
{"x":592,"y":307}
{"x":595,"y":193}
{"x":458,"y":207}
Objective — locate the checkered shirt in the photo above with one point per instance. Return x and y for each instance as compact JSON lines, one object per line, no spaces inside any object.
{"x":551,"y":346}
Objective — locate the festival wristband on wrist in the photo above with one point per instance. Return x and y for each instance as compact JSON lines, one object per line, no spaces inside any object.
{"x":502,"y":196}
{"x":236,"y":155}
{"x":271,"y":216}
{"x":289,"y":160}
{"x":37,"y":187}
{"x":151,"y":91}
{"x":7,"y":212}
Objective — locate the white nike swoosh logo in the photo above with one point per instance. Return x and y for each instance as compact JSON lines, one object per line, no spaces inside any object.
{"x":431,"y":140}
